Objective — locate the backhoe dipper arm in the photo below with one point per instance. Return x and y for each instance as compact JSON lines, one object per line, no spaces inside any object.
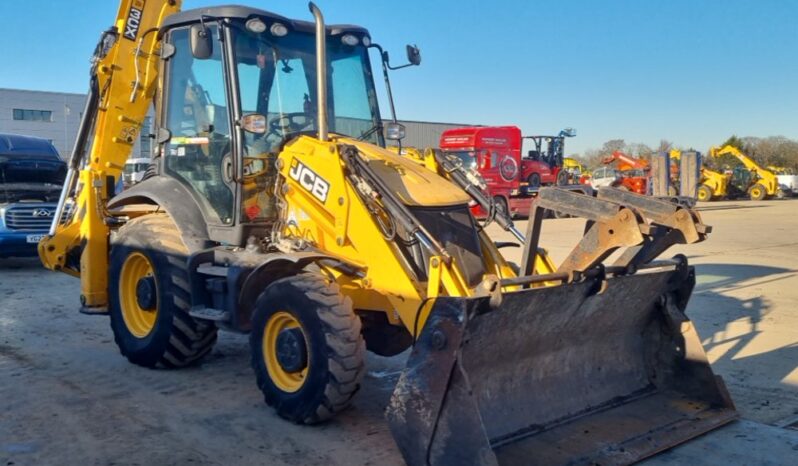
{"x":124,"y":77}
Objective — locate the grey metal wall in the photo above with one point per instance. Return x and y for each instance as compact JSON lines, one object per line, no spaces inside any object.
{"x":66,"y":109}
{"x":61,"y":130}
{"x":422,"y":134}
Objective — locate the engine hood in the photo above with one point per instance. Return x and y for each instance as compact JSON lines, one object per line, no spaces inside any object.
{"x":414,"y":184}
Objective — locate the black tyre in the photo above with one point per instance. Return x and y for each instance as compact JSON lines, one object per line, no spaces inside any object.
{"x":704,"y":193}
{"x":534,"y":180}
{"x":307,"y":349}
{"x":149,"y":296}
{"x":562,"y":178}
{"x":757,"y":192}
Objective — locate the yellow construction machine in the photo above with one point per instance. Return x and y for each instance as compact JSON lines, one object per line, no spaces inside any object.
{"x":712,"y":185}
{"x":273,"y":208}
{"x":755,"y":181}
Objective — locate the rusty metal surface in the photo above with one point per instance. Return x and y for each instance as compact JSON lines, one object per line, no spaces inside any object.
{"x":645,"y":226}
{"x":556,"y":375}
{"x":676,"y":224}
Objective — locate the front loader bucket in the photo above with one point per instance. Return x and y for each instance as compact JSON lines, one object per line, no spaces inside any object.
{"x":604,"y":371}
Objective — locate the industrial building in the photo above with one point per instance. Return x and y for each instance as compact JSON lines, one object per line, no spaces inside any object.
{"x":56,"y":115}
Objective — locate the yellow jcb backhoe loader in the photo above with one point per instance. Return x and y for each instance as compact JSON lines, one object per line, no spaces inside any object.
{"x":273,"y":208}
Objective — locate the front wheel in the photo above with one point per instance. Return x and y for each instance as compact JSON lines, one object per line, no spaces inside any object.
{"x":757,"y":192}
{"x":704,"y":193}
{"x":534,"y":180}
{"x":307,"y":350}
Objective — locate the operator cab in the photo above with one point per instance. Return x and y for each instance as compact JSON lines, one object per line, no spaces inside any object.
{"x":239,"y":83}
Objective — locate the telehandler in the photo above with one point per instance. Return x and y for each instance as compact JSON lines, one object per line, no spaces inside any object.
{"x":273,"y":208}
{"x":756,"y":182}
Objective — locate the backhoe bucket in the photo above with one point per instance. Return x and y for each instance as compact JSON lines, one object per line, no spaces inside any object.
{"x":604,"y":371}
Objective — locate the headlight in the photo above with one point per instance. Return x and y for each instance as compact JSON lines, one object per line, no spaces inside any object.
{"x":256,"y":25}
{"x":394,"y":131}
{"x":350,"y":40}
{"x":278,"y":30}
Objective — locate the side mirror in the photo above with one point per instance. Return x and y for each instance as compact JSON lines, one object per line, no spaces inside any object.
{"x":254,"y":123}
{"x":394,"y":131}
{"x":201,"y":42}
{"x":413,"y":55}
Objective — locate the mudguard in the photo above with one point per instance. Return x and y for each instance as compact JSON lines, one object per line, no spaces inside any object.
{"x":176,"y":200}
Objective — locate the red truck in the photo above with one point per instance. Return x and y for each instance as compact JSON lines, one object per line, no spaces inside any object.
{"x":495,"y":152}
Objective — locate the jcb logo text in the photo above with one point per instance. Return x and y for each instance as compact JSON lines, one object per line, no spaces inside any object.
{"x":312,"y":182}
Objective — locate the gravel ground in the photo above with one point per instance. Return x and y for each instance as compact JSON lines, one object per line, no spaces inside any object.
{"x":68,"y":397}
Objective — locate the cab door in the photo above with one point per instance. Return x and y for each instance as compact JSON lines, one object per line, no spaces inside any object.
{"x":195,"y":112}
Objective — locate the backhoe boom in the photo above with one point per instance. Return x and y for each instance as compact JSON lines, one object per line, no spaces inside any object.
{"x":124,"y":76}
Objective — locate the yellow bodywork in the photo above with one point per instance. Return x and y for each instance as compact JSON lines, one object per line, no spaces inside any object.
{"x":766,"y":178}
{"x":343,"y":227}
{"x":718,"y":183}
{"x":127,"y":80}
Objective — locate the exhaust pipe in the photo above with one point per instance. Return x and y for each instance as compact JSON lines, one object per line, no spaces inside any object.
{"x":321,"y":70}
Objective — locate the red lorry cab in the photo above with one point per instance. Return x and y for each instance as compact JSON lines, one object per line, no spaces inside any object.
{"x":495,"y":152}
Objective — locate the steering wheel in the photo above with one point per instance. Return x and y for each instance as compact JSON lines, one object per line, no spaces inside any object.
{"x":288,"y":123}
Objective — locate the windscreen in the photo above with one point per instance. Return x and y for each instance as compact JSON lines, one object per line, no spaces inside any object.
{"x":467,"y":158}
{"x":277,"y":78}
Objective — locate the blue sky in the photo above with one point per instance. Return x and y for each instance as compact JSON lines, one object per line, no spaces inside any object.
{"x":693,"y":72}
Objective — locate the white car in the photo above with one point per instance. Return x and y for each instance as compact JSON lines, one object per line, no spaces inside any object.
{"x":603,"y":177}
{"x":134,"y":171}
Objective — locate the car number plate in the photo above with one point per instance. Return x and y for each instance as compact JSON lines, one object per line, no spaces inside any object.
{"x":34,"y":238}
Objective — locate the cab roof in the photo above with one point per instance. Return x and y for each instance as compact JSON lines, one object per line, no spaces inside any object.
{"x":245,"y":13}
{"x":482,"y":137}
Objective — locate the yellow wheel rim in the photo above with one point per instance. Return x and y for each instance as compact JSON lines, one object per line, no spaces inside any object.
{"x":289,"y":382}
{"x":139,"y":321}
{"x":756,"y":192}
{"x":702,"y":195}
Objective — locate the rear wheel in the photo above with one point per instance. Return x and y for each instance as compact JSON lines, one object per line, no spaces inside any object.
{"x":534,"y":180}
{"x":562,"y":178}
{"x":704,"y":193}
{"x":757,"y":192}
{"x":149,"y":296}
{"x":307,"y":350}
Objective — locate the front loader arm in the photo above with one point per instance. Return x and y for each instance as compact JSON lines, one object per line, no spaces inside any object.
{"x":124,"y":77}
